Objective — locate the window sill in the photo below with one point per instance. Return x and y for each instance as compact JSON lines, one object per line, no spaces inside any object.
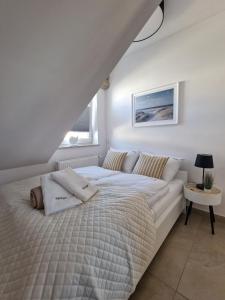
{"x":77,"y":146}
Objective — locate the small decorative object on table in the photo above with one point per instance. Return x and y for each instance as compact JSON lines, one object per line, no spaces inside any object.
{"x":208,"y":182}
{"x":204,"y":161}
{"x":73,"y":140}
{"x":198,"y":196}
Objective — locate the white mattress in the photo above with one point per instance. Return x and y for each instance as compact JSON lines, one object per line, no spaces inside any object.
{"x":175,"y":189}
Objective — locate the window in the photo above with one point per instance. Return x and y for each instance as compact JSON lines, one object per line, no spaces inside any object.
{"x":84,"y":131}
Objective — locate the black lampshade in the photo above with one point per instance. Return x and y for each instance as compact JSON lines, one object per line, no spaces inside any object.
{"x":204,"y":161}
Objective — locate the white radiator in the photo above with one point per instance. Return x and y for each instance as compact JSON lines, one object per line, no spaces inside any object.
{"x":78,"y":162}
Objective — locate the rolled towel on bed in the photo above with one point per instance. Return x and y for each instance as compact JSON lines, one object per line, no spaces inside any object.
{"x":75,"y":184}
{"x":36,"y":198}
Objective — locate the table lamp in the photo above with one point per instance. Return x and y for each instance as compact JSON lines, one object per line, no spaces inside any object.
{"x":204,"y":161}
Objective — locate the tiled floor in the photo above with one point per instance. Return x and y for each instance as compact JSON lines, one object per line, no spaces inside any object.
{"x":189,"y":265}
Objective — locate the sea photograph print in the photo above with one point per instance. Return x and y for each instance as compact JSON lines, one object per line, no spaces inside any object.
{"x":157,"y":106}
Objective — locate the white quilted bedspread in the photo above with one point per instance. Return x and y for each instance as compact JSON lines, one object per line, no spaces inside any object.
{"x":98,"y":250}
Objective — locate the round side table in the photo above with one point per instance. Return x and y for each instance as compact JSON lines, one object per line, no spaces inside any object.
{"x":195,"y":195}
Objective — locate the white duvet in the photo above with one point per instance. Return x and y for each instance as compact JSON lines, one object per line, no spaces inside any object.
{"x":98,"y":250}
{"x":152,"y":187}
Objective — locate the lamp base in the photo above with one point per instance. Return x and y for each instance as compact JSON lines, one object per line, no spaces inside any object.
{"x":200,"y":186}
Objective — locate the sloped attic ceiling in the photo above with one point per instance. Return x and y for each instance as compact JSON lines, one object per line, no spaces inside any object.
{"x":54,"y":55}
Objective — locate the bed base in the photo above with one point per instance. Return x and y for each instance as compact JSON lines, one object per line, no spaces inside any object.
{"x":166,"y":221}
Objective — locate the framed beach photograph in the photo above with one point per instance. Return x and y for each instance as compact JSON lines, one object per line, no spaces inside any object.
{"x":157,"y":106}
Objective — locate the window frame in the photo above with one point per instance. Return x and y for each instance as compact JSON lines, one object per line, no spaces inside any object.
{"x":92,"y":140}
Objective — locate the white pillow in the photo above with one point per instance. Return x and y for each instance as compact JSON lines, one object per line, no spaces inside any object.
{"x":129,"y":161}
{"x":171,"y":169}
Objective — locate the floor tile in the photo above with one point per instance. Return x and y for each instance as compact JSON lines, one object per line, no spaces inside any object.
{"x":203,"y":283}
{"x":170,"y":260}
{"x":205,"y":227}
{"x":169,"y":263}
{"x":151,"y":288}
{"x":179,"y":297}
{"x":190,"y":265}
{"x":204,"y":273}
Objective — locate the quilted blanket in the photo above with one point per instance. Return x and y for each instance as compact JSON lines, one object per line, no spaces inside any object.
{"x":98,"y":250}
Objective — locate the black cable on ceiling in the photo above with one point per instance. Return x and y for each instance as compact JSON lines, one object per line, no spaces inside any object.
{"x":162,"y":8}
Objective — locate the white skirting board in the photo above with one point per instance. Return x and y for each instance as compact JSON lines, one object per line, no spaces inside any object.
{"x":78,"y":162}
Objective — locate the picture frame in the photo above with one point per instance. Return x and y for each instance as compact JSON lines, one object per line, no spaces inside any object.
{"x":156,"y":107}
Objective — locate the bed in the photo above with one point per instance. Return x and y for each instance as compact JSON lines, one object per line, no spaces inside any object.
{"x":98,"y":250}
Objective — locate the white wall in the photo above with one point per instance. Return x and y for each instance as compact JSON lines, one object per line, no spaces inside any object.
{"x":66,"y":153}
{"x":196,"y":57}
{"x":54,"y":56}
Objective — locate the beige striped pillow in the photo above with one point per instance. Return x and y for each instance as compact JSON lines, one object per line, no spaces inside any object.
{"x":152,"y":166}
{"x":114,"y":160}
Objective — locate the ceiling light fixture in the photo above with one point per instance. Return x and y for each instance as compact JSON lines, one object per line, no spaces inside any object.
{"x":153,"y":24}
